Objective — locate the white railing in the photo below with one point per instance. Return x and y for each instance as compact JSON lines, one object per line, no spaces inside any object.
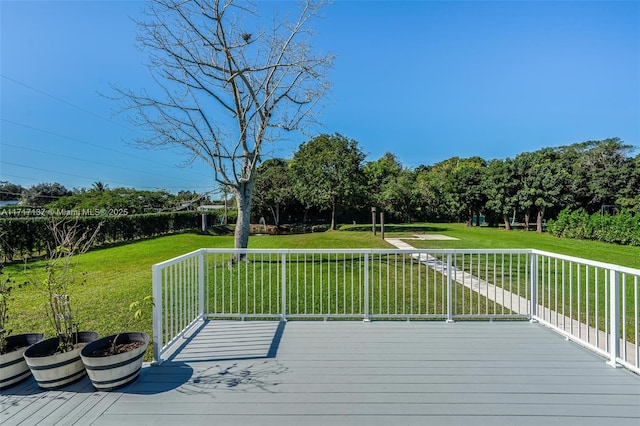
{"x":593,"y":303}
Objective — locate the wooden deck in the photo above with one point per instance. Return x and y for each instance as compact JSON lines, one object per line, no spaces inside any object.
{"x":353,"y":373}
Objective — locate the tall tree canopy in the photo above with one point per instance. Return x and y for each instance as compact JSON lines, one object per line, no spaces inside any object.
{"x":327,"y":173}
{"x":228,"y":81}
{"x":273,"y":188}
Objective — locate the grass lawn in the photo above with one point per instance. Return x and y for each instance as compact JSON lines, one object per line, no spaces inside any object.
{"x":489,"y":238}
{"x":116,"y":276}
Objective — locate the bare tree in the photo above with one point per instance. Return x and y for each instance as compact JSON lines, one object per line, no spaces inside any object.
{"x":227,"y":85}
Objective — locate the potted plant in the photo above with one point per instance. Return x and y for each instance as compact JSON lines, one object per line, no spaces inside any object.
{"x":115,"y":361}
{"x":56,"y":362}
{"x":13,"y":368}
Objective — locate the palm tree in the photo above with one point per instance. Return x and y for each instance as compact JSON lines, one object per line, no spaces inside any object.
{"x":99,"y":186}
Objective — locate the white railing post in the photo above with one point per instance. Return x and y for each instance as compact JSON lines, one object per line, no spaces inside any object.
{"x":201,"y":283}
{"x":284,"y":287}
{"x":366,"y":287}
{"x":534,"y":287}
{"x":449,"y":288}
{"x":156,"y":274}
{"x":614,"y":317}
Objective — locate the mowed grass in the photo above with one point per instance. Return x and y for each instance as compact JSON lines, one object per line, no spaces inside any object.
{"x":492,"y":238}
{"x":116,"y":276}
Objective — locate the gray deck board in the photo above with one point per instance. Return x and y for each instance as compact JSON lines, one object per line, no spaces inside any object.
{"x":353,"y":373}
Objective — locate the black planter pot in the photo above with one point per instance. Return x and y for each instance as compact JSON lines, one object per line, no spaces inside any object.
{"x":13,"y":368}
{"x":54,"y":370}
{"x":114,"y":371}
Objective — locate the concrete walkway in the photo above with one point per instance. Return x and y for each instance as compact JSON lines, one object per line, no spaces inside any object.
{"x":518,"y":304}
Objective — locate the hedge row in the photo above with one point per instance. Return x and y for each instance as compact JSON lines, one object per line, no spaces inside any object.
{"x":622,"y":228}
{"x":29,"y":236}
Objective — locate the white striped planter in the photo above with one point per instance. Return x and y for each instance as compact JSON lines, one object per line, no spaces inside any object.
{"x":114,"y":371}
{"x":13,"y":368}
{"x":54,"y":370}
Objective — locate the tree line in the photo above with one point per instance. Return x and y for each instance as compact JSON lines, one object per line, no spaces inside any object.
{"x":329,"y":178}
{"x":56,"y":197}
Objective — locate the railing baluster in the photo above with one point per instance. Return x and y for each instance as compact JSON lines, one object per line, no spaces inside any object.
{"x":284,"y":287}
{"x":366,"y":286}
{"x":614,"y":317}
{"x":390,"y":284}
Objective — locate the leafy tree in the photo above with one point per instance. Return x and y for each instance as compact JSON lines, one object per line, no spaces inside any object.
{"x":228,"y":81}
{"x":430,"y":187}
{"x":382,"y":180}
{"x":10,"y":191}
{"x":129,"y":200}
{"x":629,"y":196}
{"x":272,"y":187}
{"x":327,"y":173}
{"x":43,"y":193}
{"x":600,"y":171}
{"x":500,"y":187}
{"x":464,"y":184}
{"x":545,"y":182}
{"x":400,"y":197}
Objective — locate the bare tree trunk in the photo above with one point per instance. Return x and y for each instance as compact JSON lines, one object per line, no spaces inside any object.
{"x":507,"y":224}
{"x":333,"y":213}
{"x":243,"y":200}
{"x":333,"y":217}
{"x":526,"y":220}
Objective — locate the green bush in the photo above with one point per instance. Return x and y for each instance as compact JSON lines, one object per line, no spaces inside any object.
{"x":28,"y":236}
{"x":622,"y":228}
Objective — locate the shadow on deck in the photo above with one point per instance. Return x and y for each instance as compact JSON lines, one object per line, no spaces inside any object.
{"x":352,"y":373}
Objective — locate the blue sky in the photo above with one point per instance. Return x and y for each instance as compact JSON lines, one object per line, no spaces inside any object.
{"x":425,"y":80}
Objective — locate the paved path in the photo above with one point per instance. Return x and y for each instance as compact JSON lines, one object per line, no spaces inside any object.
{"x":518,"y":304}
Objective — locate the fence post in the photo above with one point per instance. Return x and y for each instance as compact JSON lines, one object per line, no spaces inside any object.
{"x":156,"y":279}
{"x":366,"y":287}
{"x":614,"y":317}
{"x":449,"y":289}
{"x":201,"y":283}
{"x":534,"y":288}
{"x":284,"y":287}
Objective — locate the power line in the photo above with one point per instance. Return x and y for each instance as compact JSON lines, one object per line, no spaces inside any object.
{"x":42,"y":92}
{"x":83,"y":160}
{"x":92,"y":144}
{"x":84,"y":177}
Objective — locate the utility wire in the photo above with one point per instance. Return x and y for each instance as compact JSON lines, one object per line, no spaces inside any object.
{"x":92,"y":144}
{"x":80,"y":176}
{"x":83,"y":160}
{"x":42,"y":92}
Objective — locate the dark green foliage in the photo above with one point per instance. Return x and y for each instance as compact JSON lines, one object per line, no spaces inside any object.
{"x":10,"y":191}
{"x":29,"y":236}
{"x":327,"y":173}
{"x":43,"y":193}
{"x":272,"y":189}
{"x":621,"y":228}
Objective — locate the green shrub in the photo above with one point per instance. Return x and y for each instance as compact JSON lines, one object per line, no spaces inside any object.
{"x":622,"y":228}
{"x":28,"y":236}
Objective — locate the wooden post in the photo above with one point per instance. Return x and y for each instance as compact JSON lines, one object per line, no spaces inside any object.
{"x":382,"y":225}
{"x":373,"y":220}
